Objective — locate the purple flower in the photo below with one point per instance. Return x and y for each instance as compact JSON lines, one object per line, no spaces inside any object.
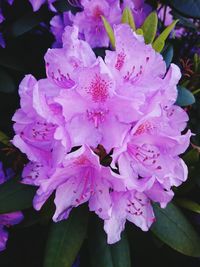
{"x":132,"y":206}
{"x":80,"y":178}
{"x":139,"y":9}
{"x":152,"y":142}
{"x":9,"y":219}
{"x":89,"y":21}
{"x":58,"y":24}
{"x":38,"y":123}
{"x":125,"y":103}
{"x":36,"y":4}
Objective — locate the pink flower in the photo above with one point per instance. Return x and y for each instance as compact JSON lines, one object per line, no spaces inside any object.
{"x":124,"y":103}
{"x":79,"y":179}
{"x":58,"y":24}
{"x":38,"y":123}
{"x":97,"y":108}
{"x":62,"y":65}
{"x":143,"y":78}
{"x":132,"y":206}
{"x":149,"y":157}
{"x":89,"y":21}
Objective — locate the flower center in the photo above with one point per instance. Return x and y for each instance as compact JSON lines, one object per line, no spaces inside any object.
{"x":97,"y":116}
{"x":146,"y":154}
{"x":99,"y":89}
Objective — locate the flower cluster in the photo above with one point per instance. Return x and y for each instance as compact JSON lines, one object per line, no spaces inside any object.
{"x":125,"y":103}
{"x":8,"y":219}
{"x":89,"y":19}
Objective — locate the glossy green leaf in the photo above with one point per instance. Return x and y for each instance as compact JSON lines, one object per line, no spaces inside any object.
{"x":124,"y":18}
{"x":127,"y":17}
{"x":174,"y":229}
{"x":149,"y":27}
{"x":26,"y":23}
{"x":188,"y":204}
{"x":189,"y":8}
{"x":109,"y":31}
{"x":102,"y":254}
{"x":159,"y":43}
{"x":185,"y":97}
{"x":168,"y":54}
{"x":4,"y":139}
{"x":7,"y":84}
{"x":139,"y":31}
{"x":131,"y":19}
{"x":15,"y":196}
{"x":65,"y":239}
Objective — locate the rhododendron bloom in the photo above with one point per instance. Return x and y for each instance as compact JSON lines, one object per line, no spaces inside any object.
{"x":132,"y":206}
{"x":151,"y":143}
{"x":80,"y":178}
{"x":9,"y":219}
{"x":126,"y":104}
{"x":89,"y":21}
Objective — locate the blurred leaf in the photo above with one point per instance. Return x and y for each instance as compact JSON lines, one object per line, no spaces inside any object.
{"x":149,"y":27}
{"x":168,"y":54}
{"x":185,"y":97}
{"x":11,"y":60}
{"x":127,"y":17}
{"x":185,"y":22}
{"x":139,"y":31}
{"x":188,"y":204}
{"x":63,"y":5}
{"x":109,"y":31}
{"x":104,"y":255}
{"x":15,"y":196}
{"x":188,"y":8}
{"x":65,"y":239}
{"x":159,"y":43}
{"x":173,"y":229}
{"x":26,"y":23}
{"x":4,"y":139}
{"x":191,"y":157}
{"x":7,"y":84}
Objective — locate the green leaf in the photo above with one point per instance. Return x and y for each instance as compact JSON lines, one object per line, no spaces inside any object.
{"x":109,"y":31}
{"x":4,"y":139}
{"x":185,"y":97}
{"x":188,"y":204}
{"x":7,"y":84}
{"x":26,"y":23}
{"x":127,"y":17}
{"x":159,"y":43}
{"x":191,"y":157}
{"x":65,"y":239}
{"x":168,"y":54}
{"x":15,"y":196}
{"x":124,"y":18}
{"x":189,"y":8}
{"x":131,"y":19}
{"x":149,"y":27}
{"x":139,"y":31}
{"x":104,"y":255}
{"x":173,"y":229}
